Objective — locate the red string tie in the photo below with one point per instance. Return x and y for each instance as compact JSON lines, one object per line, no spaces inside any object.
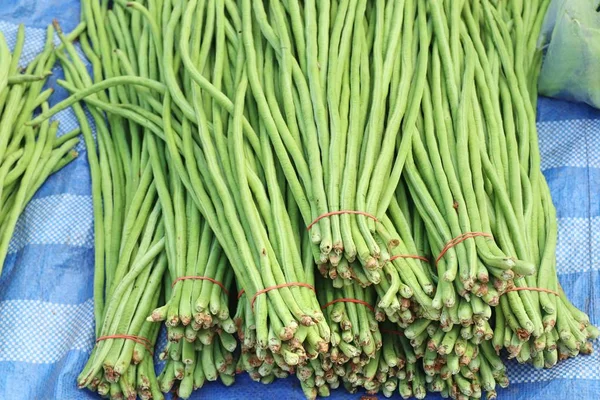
{"x":459,"y":239}
{"x":329,"y":214}
{"x":345,"y":300}
{"x":283,"y":285}
{"x":138,"y":339}
{"x":535,"y":289}
{"x":201,"y":278}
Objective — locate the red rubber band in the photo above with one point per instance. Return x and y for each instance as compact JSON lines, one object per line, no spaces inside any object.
{"x":416,"y":257}
{"x":283,"y":285}
{"x":344,"y":300}
{"x":138,"y":339}
{"x":392,"y":332}
{"x":240,"y":293}
{"x":329,"y":214}
{"x":201,"y":278}
{"x":535,"y":289}
{"x":459,"y":239}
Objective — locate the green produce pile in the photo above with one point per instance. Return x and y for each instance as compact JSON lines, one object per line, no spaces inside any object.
{"x":347,"y":191}
{"x":28,"y":155}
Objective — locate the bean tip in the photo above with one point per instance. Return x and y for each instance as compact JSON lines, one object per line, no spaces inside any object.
{"x":56,"y":26}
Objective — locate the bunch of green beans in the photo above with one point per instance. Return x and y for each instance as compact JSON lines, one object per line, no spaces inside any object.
{"x":197,"y":301}
{"x":396,"y":363}
{"x":408,"y":285}
{"x":28,"y":155}
{"x":504,"y":286}
{"x":460,"y":362}
{"x":278,"y":360}
{"x":355,"y":337}
{"x":354,"y":330}
{"x":190,"y":364}
{"x":323,"y":103}
{"x":334,"y":71}
{"x":129,"y":232}
{"x":191,"y":304}
{"x":199,"y":329}
{"x":248,"y":208}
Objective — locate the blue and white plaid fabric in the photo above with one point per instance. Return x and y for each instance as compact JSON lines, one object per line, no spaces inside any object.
{"x":46,"y":307}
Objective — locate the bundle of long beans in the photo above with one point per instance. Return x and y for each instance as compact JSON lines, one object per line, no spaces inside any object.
{"x":456,"y":358}
{"x":407,"y":288}
{"x":199,"y":328}
{"x":197,"y":271}
{"x":335,"y":93}
{"x":199,"y":292}
{"x":28,"y":155}
{"x":333,"y":74}
{"x":494,"y":199}
{"x":355,"y":335}
{"x":254,"y":123}
{"x":190,"y":364}
{"x":130,"y":238}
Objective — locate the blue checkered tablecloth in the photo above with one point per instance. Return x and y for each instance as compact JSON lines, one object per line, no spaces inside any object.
{"x":46,"y":307}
